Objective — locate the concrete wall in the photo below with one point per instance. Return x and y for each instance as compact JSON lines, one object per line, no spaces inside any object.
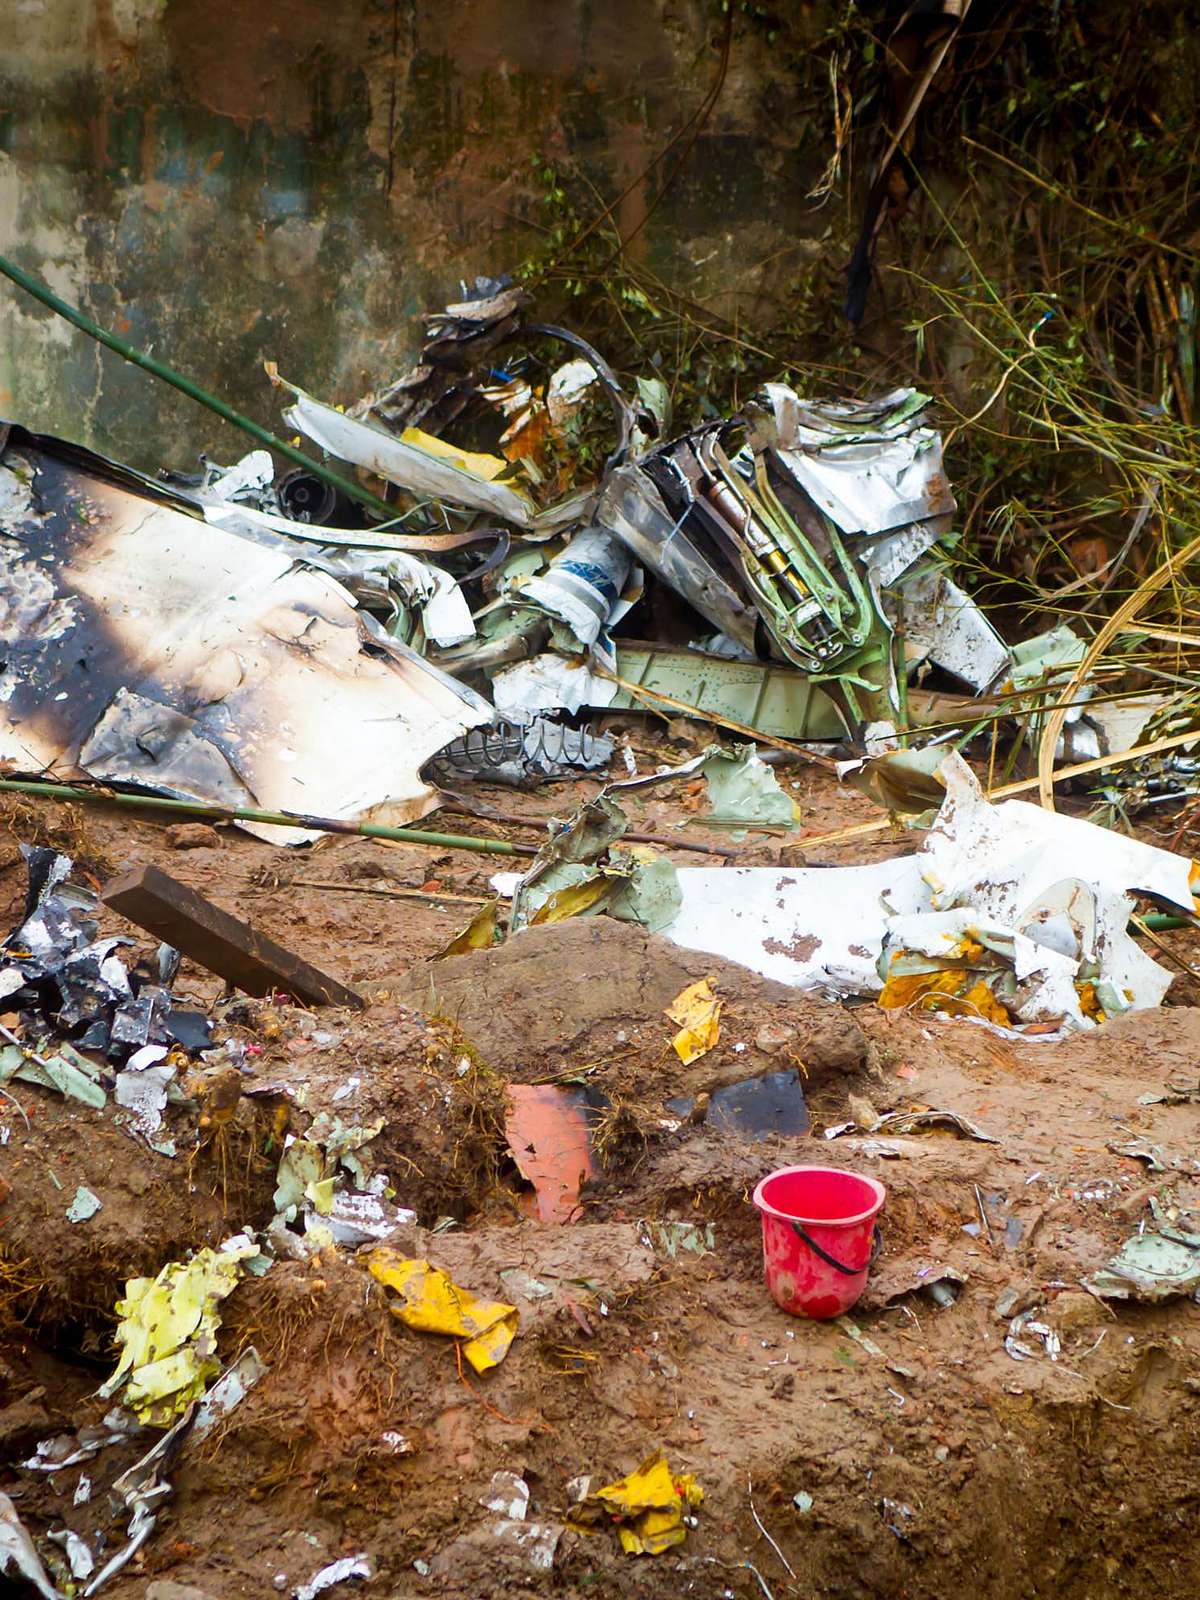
{"x":228,"y":181}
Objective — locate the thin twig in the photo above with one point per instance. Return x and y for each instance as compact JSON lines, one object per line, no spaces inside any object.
{"x":512,"y":1422}
{"x":1060,"y":193}
{"x":30,"y":1055}
{"x":983,"y":1217}
{"x":634,"y":836}
{"x":1166,"y":949}
{"x":1125,"y":613}
{"x":860,"y":830}
{"x":746,"y":1566}
{"x":759,"y":1524}
{"x":653,"y":697}
{"x":392,"y":894}
{"x":13,"y":1101}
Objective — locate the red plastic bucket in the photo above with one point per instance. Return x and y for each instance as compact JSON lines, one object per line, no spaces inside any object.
{"x":819,"y":1230}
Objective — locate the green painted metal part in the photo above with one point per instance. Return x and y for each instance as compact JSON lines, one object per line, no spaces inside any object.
{"x":773,"y":700}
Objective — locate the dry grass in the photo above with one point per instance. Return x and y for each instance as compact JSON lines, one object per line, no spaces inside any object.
{"x":476,"y":1113}
{"x":20,"y":1291}
{"x":71,"y":829}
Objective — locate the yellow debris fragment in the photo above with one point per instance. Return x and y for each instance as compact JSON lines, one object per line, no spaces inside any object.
{"x":480,"y":466}
{"x":321,"y":1195}
{"x":1089,"y":1002}
{"x":647,"y":1505}
{"x":954,"y":990}
{"x":168,"y":1332}
{"x":697,"y":1011}
{"x":479,"y":934}
{"x":431,"y":1302}
{"x":572,"y":900}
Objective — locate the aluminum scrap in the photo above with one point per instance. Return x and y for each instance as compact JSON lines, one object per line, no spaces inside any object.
{"x":132,"y":655}
{"x":360,"y":1566}
{"x":79,"y":1557}
{"x":1045,"y":896}
{"x":67,"y":1450}
{"x":1027,"y":1322}
{"x":142,"y":1488}
{"x":822,"y":522}
{"x":58,"y":972}
{"x":18,"y":1553}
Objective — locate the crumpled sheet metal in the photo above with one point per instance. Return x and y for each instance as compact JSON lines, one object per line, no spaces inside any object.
{"x":549,"y":682}
{"x":648,"y":1506}
{"x":430,"y":1302}
{"x":71,"y":1450}
{"x":78,"y":1554}
{"x":144,"y":646}
{"x":634,"y":509}
{"x":168,"y":1331}
{"x":696,"y":1012}
{"x":429,"y":592}
{"x":870,"y":466}
{"x":1047,"y":895}
{"x":413,"y":461}
{"x":743,"y":789}
{"x":580,"y":871}
{"x":1011,"y":854}
{"x":141,"y":1489}
{"x":59,"y":971}
{"x":762,"y":696}
{"x":1148,"y":1267}
{"x":942,"y":624}
{"x":458,"y":338}
{"x":903,"y":1122}
{"x":334,"y":1573}
{"x":753,"y":539}
{"x":18,"y":1553}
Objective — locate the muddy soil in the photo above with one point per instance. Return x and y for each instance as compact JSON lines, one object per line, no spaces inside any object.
{"x":925,"y":1456}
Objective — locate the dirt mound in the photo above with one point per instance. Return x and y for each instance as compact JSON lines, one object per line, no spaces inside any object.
{"x":590,"y":994}
{"x":926,"y":1457}
{"x":64,"y":1275}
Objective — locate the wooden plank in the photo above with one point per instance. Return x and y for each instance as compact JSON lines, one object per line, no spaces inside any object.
{"x":222,"y":943}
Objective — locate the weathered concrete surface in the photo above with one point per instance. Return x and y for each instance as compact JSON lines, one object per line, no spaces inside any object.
{"x":294,"y":180}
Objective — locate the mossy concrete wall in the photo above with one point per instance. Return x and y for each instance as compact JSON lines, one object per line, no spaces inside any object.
{"x":225,"y":182}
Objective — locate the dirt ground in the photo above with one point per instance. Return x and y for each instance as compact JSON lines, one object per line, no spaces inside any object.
{"x":926,"y":1458}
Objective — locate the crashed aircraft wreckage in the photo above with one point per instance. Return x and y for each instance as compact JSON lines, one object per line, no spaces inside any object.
{"x":480,"y":599}
{"x":224,"y":663}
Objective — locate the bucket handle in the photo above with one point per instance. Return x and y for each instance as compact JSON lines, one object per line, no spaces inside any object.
{"x":831,"y":1261}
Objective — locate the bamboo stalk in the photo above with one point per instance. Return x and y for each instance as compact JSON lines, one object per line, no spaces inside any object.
{"x":177,"y":380}
{"x":1145,"y":591}
{"x":278,"y":819}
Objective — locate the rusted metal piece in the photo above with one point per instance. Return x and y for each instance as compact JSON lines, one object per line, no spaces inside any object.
{"x":548,"y":1128}
{"x":219,"y":941}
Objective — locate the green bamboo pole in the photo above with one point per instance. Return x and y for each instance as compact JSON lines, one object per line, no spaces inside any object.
{"x":280,"y":819}
{"x":41,"y":291}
